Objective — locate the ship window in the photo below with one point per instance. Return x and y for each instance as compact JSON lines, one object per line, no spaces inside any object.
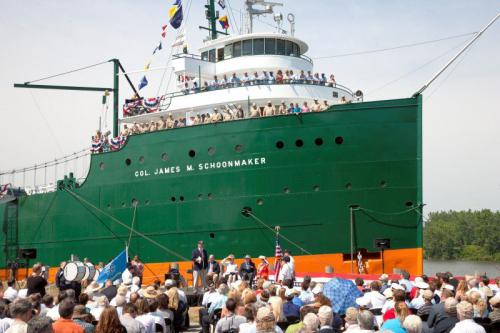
{"x":135,"y":202}
{"x":204,"y":55}
{"x":220,"y":54}
{"x":289,"y":48}
{"x":128,"y":162}
{"x":147,"y":202}
{"x":164,"y":156}
{"x":123,"y":204}
{"x":141,"y":159}
{"x":260,"y":202}
{"x":383,"y":183}
{"x":211,"y":55}
{"x":228,"y":51}
{"x":247,"y":47}
{"x":258,"y":46}
{"x":296,"y":50}
{"x":280,"y":47}
{"x":409,"y":203}
{"x":181,"y":198}
{"x":339,"y":140}
{"x":237,"y":49}
{"x":286,"y":190}
{"x":210,"y":196}
{"x":200,"y":196}
{"x":212,"y":235}
{"x":102,"y":166}
{"x":299,"y":143}
{"x":318,"y":141}
{"x":109,"y":206}
{"x":192,"y":153}
{"x":280,"y":144}
{"x":270,"y":46}
{"x":316,"y":188}
{"x":211,"y":150}
{"x":348,"y":186}
{"x":173,"y":199}
{"x":238,"y":148}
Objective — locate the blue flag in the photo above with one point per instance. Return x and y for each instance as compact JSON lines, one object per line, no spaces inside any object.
{"x":158,"y":48}
{"x":114,"y":269}
{"x":222,"y":3}
{"x":175,"y":14}
{"x":143,"y":83}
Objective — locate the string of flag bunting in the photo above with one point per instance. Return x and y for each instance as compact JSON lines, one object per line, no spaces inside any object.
{"x":175,"y":20}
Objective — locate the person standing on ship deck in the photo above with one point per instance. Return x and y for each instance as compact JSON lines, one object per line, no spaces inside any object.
{"x":316,"y":107}
{"x":254,"y":111}
{"x":200,"y":264}
{"x":269,"y":109}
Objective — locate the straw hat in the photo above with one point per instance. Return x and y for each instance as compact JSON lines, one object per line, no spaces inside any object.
{"x":150,"y":292}
{"x":92,"y":288}
{"x":262,"y":257}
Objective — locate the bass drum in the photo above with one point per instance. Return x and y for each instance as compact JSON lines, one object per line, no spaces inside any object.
{"x":89,"y":272}
{"x":74,"y":271}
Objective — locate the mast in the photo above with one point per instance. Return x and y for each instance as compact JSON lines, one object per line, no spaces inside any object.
{"x":212,"y":19}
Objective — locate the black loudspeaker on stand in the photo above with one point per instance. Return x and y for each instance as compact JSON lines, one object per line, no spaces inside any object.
{"x":27,"y":254}
{"x":382,"y":244}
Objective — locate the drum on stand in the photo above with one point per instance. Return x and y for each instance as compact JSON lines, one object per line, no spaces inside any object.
{"x":89,"y":272}
{"x":74,"y":271}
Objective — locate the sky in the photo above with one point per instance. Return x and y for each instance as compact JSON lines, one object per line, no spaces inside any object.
{"x":461,"y":137}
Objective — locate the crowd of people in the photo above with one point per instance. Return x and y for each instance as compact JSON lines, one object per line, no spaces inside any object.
{"x":244,"y":299}
{"x":228,"y":113}
{"x":192,"y":85}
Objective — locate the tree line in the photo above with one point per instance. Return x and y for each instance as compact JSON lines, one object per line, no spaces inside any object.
{"x":465,"y":235}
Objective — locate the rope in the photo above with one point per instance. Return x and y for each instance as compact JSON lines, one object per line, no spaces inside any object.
{"x":392,"y":213}
{"x":389,"y":224}
{"x":413,"y":71}
{"x":132,"y":227}
{"x":280,"y":235}
{"x":395,"y":47}
{"x":68,"y":72}
{"x":231,"y":14}
{"x":45,"y":121}
{"x":79,"y":198}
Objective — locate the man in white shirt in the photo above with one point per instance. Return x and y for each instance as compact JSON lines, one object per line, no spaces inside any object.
{"x":21,"y":310}
{"x":288,"y":254}
{"x":10,"y":293}
{"x":466,"y":324}
{"x":377,"y":300}
{"x":286,"y":271}
{"x":209,"y":296}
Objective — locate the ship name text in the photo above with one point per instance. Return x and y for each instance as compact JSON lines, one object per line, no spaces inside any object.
{"x":176,"y":169}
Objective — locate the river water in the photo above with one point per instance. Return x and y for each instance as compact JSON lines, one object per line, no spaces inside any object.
{"x":461,"y":268}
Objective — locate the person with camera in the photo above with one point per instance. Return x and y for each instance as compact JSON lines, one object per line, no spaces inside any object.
{"x":200,"y":264}
{"x":231,"y":322}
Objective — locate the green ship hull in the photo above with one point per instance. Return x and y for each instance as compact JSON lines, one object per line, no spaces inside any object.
{"x":304,"y":173}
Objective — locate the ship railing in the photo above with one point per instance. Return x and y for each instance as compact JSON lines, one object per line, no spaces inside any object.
{"x":42,"y":177}
{"x":137,"y":107}
{"x":198,"y":57}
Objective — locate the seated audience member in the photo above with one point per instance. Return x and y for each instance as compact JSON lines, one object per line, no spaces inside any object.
{"x":82,"y":318}
{"x":466,"y":324}
{"x":40,"y":324}
{"x":495,"y":305}
{"x":128,"y":319}
{"x":231,"y":320}
{"x":351,"y":320}
{"x":21,"y":311}
{"x":413,"y":324}
{"x":65,"y":323}
{"x":396,"y":325}
{"x":247,"y":270}
{"x":325,"y":316}
{"x":448,"y":322}
{"x":110,"y":322}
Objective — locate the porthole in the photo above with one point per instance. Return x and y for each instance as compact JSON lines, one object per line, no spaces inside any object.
{"x":200,"y":196}
{"x":212,"y":235}
{"x":383,"y":183}
{"x":211,"y":150}
{"x":172,"y":199}
{"x":348,"y":186}
{"x":210,"y":196}
{"x":316,"y":188}
{"x":141,"y":159}
{"x":318,"y":141}
{"x":146,"y":202}
{"x":280,"y":144}
{"x":134,"y":202}
{"x":238,"y":148}
{"x":192,"y":153}
{"x":123,"y":204}
{"x":181,"y":198}
{"x":286,"y":190}
{"x":409,"y":203}
{"x":299,"y":143}
{"x":260,"y":202}
{"x":128,"y":161}
{"x":109,"y":206}
{"x":164,"y":156}
{"x":102,"y":166}
{"x":339,"y":140}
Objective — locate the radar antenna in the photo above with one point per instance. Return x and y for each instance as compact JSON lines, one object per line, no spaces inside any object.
{"x":268,"y":8}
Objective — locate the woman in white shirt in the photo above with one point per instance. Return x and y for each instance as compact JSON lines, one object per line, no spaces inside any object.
{"x":144,"y":316}
{"x":231,"y":272}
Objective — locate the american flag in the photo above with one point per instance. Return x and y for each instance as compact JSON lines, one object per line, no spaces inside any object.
{"x":277,"y":259}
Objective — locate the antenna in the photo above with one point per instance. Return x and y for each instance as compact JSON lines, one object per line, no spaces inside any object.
{"x":291,"y":18}
{"x":251,"y":11}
